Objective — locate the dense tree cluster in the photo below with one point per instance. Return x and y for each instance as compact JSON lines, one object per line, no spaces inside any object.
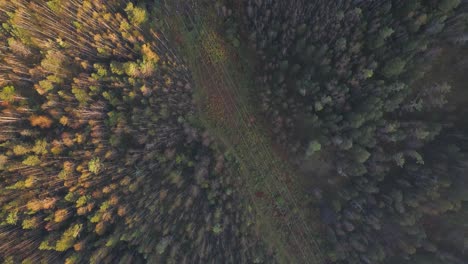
{"x":338,"y":67}
{"x":337,"y":77}
{"x":98,"y":163}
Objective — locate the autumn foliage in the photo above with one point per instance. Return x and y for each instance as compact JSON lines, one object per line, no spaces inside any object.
{"x":97,"y":163}
{"x":40,"y":121}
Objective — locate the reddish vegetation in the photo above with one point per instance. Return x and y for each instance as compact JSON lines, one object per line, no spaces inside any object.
{"x":259,"y":194}
{"x":221,"y":103}
{"x":178,"y":39}
{"x":216,"y":107}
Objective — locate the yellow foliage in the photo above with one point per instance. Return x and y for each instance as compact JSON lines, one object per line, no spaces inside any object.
{"x":147,"y":68}
{"x":136,"y":14}
{"x":79,"y":138}
{"x":32,"y":160}
{"x":68,"y":238}
{"x":131,"y":69}
{"x":106,"y":189}
{"x":20,"y":150}
{"x":7,"y":94}
{"x":214,"y":47}
{"x":56,"y":150}
{"x":30,"y":223}
{"x":168,"y":81}
{"x":107,"y":16}
{"x":46,"y":85}
{"x":64,"y":120}
{"x":40,"y":147}
{"x":29,"y":181}
{"x":84,"y":65}
{"x":3,"y":161}
{"x":149,"y":54}
{"x":124,"y":26}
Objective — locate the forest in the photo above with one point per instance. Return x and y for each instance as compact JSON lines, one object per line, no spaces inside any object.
{"x":98,"y":164}
{"x":340,"y":79}
{"x":234,"y":131}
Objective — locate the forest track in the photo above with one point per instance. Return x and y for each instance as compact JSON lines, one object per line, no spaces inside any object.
{"x":224,"y":109}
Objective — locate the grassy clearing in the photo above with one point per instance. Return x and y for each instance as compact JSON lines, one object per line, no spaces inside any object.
{"x":450,"y":67}
{"x":222,"y":87}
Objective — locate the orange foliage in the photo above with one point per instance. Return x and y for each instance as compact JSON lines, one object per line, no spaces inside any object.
{"x":121,"y":211}
{"x":36,"y":205}
{"x":61,"y":215}
{"x":114,"y":200}
{"x":40,"y":121}
{"x":79,"y":246}
{"x":100,"y":228}
{"x":48,"y":203}
{"x":67,"y":139}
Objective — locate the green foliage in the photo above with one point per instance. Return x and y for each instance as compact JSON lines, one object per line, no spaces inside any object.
{"x":360,"y":154}
{"x":217,"y":229}
{"x":357,"y":87}
{"x":393,"y":68}
{"x":161,"y":247}
{"x":447,"y":5}
{"x":379,"y":40}
{"x":314,"y":146}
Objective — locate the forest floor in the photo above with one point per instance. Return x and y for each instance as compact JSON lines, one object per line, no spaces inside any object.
{"x":223,"y":77}
{"x":449,"y":67}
